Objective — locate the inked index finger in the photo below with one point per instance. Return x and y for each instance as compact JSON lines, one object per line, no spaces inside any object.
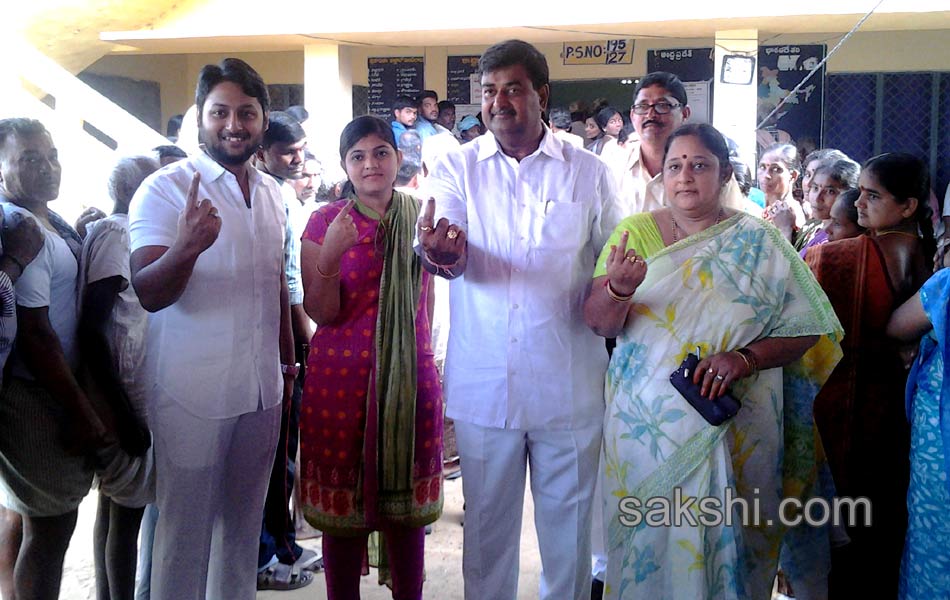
{"x":345,"y":210}
{"x":429,"y":214}
{"x":191,"y":200}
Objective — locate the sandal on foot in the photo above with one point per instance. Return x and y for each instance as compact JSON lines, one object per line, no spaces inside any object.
{"x":309,"y":560}
{"x":283,"y":577}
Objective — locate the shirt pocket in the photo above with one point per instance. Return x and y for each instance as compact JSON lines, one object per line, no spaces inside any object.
{"x":559,"y":226}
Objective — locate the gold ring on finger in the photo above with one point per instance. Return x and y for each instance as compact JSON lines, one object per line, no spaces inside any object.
{"x":425,"y":228}
{"x":452,"y":234}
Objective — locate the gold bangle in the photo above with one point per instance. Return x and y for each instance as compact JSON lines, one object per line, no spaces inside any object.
{"x":750,"y":359}
{"x":325,"y":276}
{"x":613,"y":295}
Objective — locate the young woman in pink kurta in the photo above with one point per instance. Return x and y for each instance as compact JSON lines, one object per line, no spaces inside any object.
{"x":346,"y":474}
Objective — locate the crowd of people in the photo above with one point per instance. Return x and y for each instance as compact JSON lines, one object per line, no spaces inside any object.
{"x":626,"y":324}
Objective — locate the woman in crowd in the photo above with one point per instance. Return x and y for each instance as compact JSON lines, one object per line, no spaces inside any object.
{"x":925,"y":567}
{"x":812,"y":161}
{"x":827,"y":182}
{"x":843,"y":223}
{"x":778,"y":171}
{"x":860,"y":411}
{"x":700,"y":278}
{"x":372,"y":421}
{"x":602,"y":130}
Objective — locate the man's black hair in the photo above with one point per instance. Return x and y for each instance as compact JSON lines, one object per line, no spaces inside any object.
{"x":282,"y":129}
{"x":668,"y":81}
{"x":516,"y":52}
{"x":236,"y":71}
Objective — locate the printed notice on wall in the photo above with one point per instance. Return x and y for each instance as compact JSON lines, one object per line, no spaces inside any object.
{"x":607,"y":52}
{"x":392,"y":76}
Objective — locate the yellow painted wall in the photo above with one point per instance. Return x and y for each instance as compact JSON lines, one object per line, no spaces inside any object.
{"x":875,"y":51}
{"x":177,"y":73}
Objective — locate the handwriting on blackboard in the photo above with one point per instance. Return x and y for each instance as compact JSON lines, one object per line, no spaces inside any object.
{"x":458,"y":78}
{"x":392,"y":76}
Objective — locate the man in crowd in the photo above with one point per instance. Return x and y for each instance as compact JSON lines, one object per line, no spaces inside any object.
{"x":469,"y":129}
{"x":405,"y":115}
{"x":446,"y":115}
{"x":427,"y":104}
{"x":112,"y":331}
{"x":659,"y":107}
{"x":207,"y":237}
{"x":561,"y":126}
{"x":49,"y":429}
{"x":523,"y":216}
{"x":281,"y":562}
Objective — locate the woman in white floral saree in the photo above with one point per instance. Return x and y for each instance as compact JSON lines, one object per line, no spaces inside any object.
{"x":697,"y":275}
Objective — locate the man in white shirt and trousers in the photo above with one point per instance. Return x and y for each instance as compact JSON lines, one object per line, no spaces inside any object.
{"x":207,"y":238}
{"x":517,"y":219}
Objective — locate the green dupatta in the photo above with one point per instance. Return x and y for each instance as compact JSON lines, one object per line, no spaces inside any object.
{"x":395,"y":383}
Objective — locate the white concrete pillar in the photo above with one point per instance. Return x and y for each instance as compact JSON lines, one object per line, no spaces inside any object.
{"x":328,"y":97}
{"x":734,"y":104}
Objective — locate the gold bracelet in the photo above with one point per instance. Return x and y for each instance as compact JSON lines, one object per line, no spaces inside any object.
{"x":613,"y":295}
{"x":325,"y":276}
{"x":750,"y":359}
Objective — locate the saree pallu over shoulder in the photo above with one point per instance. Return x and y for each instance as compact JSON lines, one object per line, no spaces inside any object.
{"x":860,"y":415}
{"x":732,"y":284}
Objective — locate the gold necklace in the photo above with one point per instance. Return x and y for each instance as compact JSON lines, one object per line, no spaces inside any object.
{"x":676,"y":228}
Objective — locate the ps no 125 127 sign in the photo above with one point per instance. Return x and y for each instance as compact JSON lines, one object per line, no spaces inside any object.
{"x":607,"y":52}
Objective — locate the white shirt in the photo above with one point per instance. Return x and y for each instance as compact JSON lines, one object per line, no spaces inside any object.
{"x":49,"y":280}
{"x":215,"y":350}
{"x":105,"y":254}
{"x":566,"y":136}
{"x":519,"y":354}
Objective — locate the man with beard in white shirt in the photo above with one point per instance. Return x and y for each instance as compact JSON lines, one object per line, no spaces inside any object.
{"x":207,"y":236}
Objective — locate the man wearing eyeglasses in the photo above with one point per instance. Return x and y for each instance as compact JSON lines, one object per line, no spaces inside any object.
{"x":659,"y":107}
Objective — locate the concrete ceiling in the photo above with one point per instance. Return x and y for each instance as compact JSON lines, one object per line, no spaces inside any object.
{"x":76,"y":33}
{"x":68,"y":30}
{"x":168,"y":41}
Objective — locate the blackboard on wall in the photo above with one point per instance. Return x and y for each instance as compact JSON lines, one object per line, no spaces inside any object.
{"x":391,"y":76}
{"x":458,"y":87}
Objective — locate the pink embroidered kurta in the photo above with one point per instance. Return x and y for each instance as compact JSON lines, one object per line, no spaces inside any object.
{"x":334,"y":425}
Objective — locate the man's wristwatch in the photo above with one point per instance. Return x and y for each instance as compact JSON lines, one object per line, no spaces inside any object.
{"x":291,"y":370}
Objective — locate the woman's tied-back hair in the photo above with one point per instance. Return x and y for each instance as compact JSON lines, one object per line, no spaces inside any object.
{"x":905,"y":176}
{"x":711,"y":139}
{"x":516,"y":52}
{"x":788,"y":154}
{"x":237,"y":72}
{"x":844,"y":172}
{"x":359,"y":128}
{"x":604,"y":115}
{"x":848,"y":199}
